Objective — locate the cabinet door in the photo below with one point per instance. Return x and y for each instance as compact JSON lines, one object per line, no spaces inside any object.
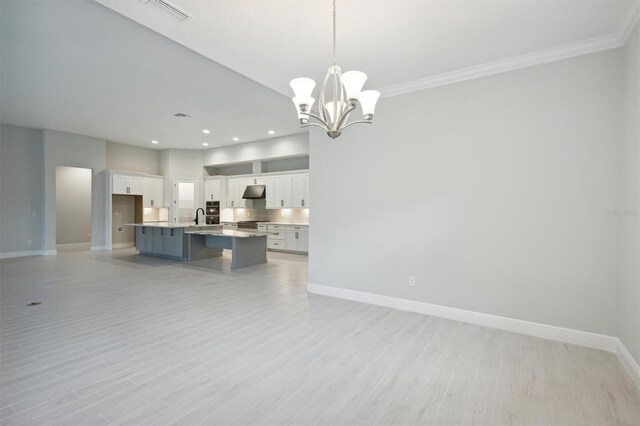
{"x":269,"y":193}
{"x":167,"y":242}
{"x":303,"y":241}
{"x":286,"y":191}
{"x":278,"y":200}
{"x":177,"y":242}
{"x":153,"y":192}
{"x":231,"y":192}
{"x":140,"y":238}
{"x":256,"y":181}
{"x":135,"y":185}
{"x":212,"y":190}
{"x":158,"y":240}
{"x":291,"y":242}
{"x":298,"y":190}
{"x":119,"y":184}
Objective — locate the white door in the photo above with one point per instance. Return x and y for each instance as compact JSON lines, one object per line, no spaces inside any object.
{"x":185,"y":196}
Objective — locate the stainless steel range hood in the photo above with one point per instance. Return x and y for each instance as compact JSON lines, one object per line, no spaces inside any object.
{"x":254,"y":192}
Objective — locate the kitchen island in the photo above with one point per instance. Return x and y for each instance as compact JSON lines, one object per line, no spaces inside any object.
{"x":186,"y":241}
{"x":247,"y":248}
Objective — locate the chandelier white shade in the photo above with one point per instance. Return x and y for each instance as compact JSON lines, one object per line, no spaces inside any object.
{"x":339,"y":96}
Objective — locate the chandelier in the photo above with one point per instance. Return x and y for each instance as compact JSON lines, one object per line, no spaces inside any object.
{"x":345,"y":91}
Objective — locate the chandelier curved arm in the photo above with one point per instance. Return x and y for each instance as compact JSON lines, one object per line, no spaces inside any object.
{"x":315,"y":125}
{"x":357,"y":122}
{"x":345,"y":115}
{"x":310,"y":114}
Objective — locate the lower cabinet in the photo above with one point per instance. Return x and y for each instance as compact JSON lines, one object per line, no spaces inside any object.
{"x":288,"y":237}
{"x":164,"y":241}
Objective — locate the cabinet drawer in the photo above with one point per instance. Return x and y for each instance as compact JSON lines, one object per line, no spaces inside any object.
{"x":276,"y":244}
{"x":277,"y":228}
{"x":303,"y":228}
{"x":278,"y":235}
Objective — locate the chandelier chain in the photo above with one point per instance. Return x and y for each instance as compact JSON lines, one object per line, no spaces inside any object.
{"x":334,"y":32}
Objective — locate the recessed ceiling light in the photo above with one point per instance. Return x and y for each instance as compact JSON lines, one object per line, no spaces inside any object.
{"x":205,"y":144}
{"x":236,"y":139}
{"x":206,"y":131}
{"x":272,"y":132}
{"x":154,"y":142}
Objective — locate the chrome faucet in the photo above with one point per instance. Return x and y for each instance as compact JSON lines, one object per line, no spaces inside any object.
{"x":198,"y":211}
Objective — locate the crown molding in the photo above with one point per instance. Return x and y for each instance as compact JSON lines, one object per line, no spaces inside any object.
{"x":585,"y":47}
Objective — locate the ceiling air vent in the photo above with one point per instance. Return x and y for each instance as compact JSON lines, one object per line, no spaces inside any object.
{"x":169,"y":10}
{"x":181,"y":115}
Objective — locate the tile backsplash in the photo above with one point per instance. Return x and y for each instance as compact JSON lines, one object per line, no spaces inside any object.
{"x":259,"y":212}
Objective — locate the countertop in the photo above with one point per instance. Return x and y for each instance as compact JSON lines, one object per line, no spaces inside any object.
{"x":287,"y":223}
{"x":173,"y":225}
{"x":228,"y":233}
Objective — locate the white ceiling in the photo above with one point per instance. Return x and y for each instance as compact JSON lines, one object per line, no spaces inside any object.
{"x":393,"y":41}
{"x":80,"y":67}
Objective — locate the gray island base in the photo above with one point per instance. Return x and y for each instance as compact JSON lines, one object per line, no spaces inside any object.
{"x":197,"y":242}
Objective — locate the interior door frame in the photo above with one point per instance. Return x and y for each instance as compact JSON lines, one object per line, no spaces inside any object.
{"x":174,"y":190}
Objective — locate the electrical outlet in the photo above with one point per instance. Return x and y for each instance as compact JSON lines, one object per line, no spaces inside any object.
{"x":34,"y":213}
{"x":412,"y":281}
{"x":29,"y":242}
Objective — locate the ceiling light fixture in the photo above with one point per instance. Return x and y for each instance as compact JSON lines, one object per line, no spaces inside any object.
{"x":206,"y":131}
{"x":154,"y":142}
{"x":272,"y":132}
{"x":205,"y":144}
{"x":346,"y":90}
{"x":236,"y":139}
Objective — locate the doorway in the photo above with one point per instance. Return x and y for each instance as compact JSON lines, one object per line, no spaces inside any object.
{"x":185,"y":200}
{"x":73,"y":208}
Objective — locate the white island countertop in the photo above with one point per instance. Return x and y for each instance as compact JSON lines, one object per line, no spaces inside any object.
{"x":227,"y":233}
{"x":174,"y":225}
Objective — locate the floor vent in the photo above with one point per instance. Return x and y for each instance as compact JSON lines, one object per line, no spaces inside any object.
{"x":169,"y":10}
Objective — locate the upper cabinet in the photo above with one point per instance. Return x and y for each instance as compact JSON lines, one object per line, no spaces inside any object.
{"x":128,"y":185}
{"x":153,"y":192}
{"x":213,"y":190}
{"x":278,"y":192}
{"x":235,"y":190}
{"x":300,"y":190}
{"x":256,"y":181}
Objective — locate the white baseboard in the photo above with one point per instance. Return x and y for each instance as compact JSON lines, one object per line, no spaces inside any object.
{"x":560,"y":334}
{"x":98,"y":248}
{"x":627,"y":360}
{"x":12,"y":254}
{"x":122,"y":245}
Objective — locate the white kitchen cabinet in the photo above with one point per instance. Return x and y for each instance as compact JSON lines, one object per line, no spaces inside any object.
{"x":235,"y":191}
{"x":300,"y":190}
{"x":297,"y":240}
{"x":213,"y":190}
{"x":256,"y":181}
{"x":278,"y":192}
{"x":128,"y":185}
{"x":153,"y":192}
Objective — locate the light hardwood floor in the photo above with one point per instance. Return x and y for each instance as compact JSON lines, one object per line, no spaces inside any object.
{"x":127,"y":339}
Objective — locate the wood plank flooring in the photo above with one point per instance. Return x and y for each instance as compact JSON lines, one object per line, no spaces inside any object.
{"x":129,"y":340}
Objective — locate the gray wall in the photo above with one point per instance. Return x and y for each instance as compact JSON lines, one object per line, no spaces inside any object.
{"x":66,"y":149}
{"x":21,"y":189}
{"x":629,"y":293}
{"x":133,"y":158}
{"x":492,"y":196}
{"x":73,"y":205}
